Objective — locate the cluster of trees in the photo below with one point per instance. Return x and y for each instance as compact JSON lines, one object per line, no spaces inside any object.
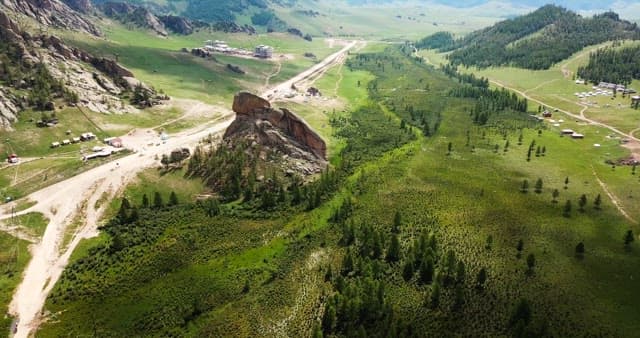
{"x":612,"y":65}
{"x":233,"y":172}
{"x":222,"y":11}
{"x":558,"y":34}
{"x":439,"y":40}
{"x":487,"y":101}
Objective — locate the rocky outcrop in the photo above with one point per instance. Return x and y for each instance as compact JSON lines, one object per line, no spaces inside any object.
{"x":82,"y":6}
{"x":177,"y":24}
{"x":138,"y":15}
{"x":96,"y":82}
{"x":52,"y":13}
{"x":8,"y":110}
{"x":280,"y":130}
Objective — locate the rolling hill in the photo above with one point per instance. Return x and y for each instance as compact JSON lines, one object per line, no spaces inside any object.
{"x":534,"y":41}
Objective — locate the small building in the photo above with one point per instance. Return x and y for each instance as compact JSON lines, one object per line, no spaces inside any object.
{"x":577,"y":136}
{"x":264,"y":52}
{"x":116,"y":142}
{"x":75,"y":140}
{"x":87,"y":136}
{"x":55,"y":144}
{"x":546,"y":113}
{"x":568,"y":131}
{"x":66,"y":142}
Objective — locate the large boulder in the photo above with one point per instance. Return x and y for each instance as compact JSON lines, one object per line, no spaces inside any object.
{"x":82,"y":6}
{"x":177,"y":24}
{"x":247,"y":104}
{"x":281,"y":129}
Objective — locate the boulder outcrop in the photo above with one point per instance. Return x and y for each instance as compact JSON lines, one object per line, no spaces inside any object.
{"x":278,"y":129}
{"x":141,"y":16}
{"x":93,"y":82}
{"x":177,"y":24}
{"x":52,"y":13}
{"x":82,"y":6}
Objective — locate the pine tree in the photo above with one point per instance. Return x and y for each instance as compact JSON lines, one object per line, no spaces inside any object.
{"x":157,"y":200}
{"x":393,"y":254}
{"x":173,"y":199}
{"x":460,"y":272}
{"x":566,"y":212}
{"x":525,"y":186}
{"x":145,"y":201}
{"x":582,"y":202}
{"x":566,"y":183}
{"x":435,"y":295}
{"x":427,"y":269}
{"x":397,"y":222}
{"x":520,"y":247}
{"x":407,"y":270}
{"x":597,"y":202}
{"x":580,"y":249}
{"x":481,"y":278}
{"x":531,"y":261}
{"x":555,"y":195}
{"x":629,"y":238}
{"x":538,"y":187}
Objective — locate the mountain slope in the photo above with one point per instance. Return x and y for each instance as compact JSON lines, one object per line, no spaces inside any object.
{"x":53,"y":13}
{"x":537,"y":40}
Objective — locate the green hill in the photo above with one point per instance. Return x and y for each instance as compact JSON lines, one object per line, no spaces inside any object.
{"x":536,"y":40}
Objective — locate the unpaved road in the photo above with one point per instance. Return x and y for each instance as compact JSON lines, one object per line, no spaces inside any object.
{"x":74,"y":200}
{"x":282,"y":89}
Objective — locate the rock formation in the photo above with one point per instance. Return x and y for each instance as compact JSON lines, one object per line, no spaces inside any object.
{"x":143,"y":17}
{"x":96,"y":81}
{"x":280,"y":130}
{"x":82,"y":6}
{"x":177,"y":24}
{"x":52,"y":13}
{"x":138,"y":15}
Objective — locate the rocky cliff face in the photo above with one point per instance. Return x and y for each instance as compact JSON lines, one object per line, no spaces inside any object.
{"x":53,"y":13}
{"x":143,"y":17}
{"x":177,"y":24}
{"x":280,"y":130}
{"x":82,"y":6}
{"x":97,"y":82}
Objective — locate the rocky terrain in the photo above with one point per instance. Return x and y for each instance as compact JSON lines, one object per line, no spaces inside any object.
{"x":54,"y":13}
{"x":92,"y":82}
{"x":279,"y":130}
{"x":145,"y":18}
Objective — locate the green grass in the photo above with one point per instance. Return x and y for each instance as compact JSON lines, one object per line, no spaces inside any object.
{"x":14,"y":256}
{"x":159,"y":62}
{"x":35,"y":222}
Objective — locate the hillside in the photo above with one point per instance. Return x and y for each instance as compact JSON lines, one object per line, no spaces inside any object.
{"x":536,"y":40}
{"x":612,"y":65}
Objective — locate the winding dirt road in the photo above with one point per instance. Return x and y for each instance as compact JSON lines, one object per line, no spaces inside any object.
{"x":74,"y":200}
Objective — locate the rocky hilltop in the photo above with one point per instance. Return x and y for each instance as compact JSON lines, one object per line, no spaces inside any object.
{"x":53,"y":13}
{"x":280,"y":130}
{"x":143,"y":17}
{"x":73,"y":75}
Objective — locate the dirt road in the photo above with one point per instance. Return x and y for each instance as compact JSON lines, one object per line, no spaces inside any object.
{"x":282,"y":89}
{"x":75,"y":200}
{"x":580,"y":117}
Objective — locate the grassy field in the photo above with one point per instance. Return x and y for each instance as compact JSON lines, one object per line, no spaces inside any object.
{"x":192,"y":275}
{"x":159,"y":62}
{"x":14,"y":256}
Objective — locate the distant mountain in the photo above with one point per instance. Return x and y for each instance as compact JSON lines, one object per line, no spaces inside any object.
{"x":535,"y":41}
{"x":577,"y":5}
